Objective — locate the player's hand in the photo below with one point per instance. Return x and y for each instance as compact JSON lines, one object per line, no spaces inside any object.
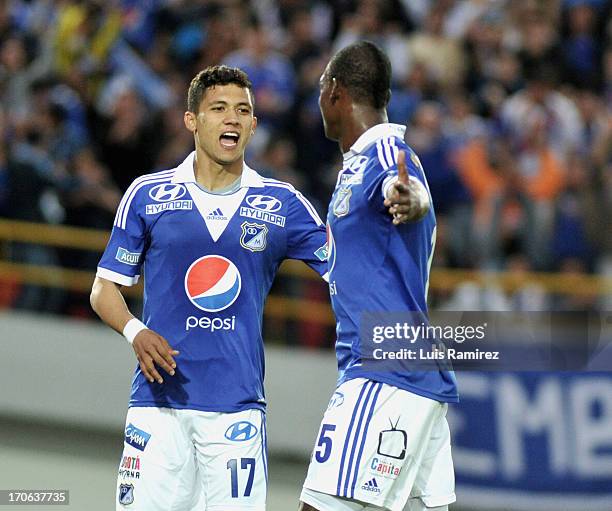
{"x":407,"y":199}
{"x":153,"y":350}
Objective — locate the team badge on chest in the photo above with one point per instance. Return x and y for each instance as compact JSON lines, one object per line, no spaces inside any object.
{"x":254,"y":236}
{"x":342,"y":202}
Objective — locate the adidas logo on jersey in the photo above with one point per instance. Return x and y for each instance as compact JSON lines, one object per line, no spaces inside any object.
{"x":371,"y":486}
{"x":216,"y":214}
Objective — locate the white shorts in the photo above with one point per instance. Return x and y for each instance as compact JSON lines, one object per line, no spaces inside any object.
{"x":382,"y":446}
{"x":180,"y":460}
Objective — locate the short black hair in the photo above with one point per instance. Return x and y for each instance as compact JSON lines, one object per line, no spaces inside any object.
{"x":365,"y":70}
{"x":211,"y":76}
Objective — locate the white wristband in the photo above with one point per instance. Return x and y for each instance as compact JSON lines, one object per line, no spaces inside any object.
{"x":387,"y":184}
{"x":132,"y":328}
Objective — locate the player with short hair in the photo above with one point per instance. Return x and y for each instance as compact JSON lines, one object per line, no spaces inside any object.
{"x":384,"y":441}
{"x":209,"y":236}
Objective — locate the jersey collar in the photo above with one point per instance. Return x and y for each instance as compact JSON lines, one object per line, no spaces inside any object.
{"x":373,"y":134}
{"x":184,"y":174}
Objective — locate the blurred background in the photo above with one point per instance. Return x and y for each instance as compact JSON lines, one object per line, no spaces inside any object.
{"x":507,"y":103}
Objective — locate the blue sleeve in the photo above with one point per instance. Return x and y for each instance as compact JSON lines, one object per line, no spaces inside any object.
{"x":306,"y":235}
{"x":383,"y":167}
{"x":123,"y":256}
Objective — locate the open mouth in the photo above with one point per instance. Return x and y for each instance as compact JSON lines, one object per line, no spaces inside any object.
{"x":229,"y":139}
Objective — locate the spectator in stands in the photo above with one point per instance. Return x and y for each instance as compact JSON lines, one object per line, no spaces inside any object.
{"x":406,"y":96}
{"x":443,"y":57}
{"x":483,"y":45}
{"x":540,"y":103}
{"x":278,"y":161}
{"x":450,"y":195}
{"x":539,"y":38}
{"x":594,"y":120}
{"x":573,"y":237}
{"x":177,"y":140}
{"x":127,"y":133}
{"x":383,"y":23}
{"x":90,"y":199}
{"x":533,"y":179}
{"x":461,"y":125}
{"x":300,"y":45}
{"x":217,"y":31}
{"x":89,"y":195}
{"x":84,"y":36}
{"x":26,"y":194}
{"x":273,"y":79}
{"x":15,"y":79}
{"x":582,"y":46}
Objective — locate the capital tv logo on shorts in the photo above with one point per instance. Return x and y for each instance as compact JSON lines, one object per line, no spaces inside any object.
{"x":212,"y":283}
{"x":241,"y":431}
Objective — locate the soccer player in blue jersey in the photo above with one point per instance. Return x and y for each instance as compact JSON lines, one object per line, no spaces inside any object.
{"x":384,"y":441}
{"x":209,"y":236}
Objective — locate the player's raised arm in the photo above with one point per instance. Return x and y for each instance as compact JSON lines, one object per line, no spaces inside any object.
{"x":151,"y":349}
{"x":306,"y":235}
{"x":406,"y":198}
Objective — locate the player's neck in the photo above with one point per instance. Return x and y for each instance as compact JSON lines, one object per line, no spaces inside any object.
{"x":361,"y":120}
{"x":213,"y":175}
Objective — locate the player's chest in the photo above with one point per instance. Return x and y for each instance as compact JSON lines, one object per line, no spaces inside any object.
{"x":241,"y":223}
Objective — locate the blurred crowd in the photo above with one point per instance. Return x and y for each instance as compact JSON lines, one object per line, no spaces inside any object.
{"x":508,"y":103}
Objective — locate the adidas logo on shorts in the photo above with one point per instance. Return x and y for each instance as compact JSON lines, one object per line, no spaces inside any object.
{"x":371,"y":486}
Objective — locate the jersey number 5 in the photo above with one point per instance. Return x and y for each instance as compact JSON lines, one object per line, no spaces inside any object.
{"x":324,"y":444}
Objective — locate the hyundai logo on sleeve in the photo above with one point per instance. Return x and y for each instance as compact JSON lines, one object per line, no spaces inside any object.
{"x":241,"y":431}
{"x":167,"y":192}
{"x":264,"y":203}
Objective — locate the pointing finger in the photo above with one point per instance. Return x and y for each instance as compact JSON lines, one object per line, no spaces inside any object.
{"x":402,"y":171}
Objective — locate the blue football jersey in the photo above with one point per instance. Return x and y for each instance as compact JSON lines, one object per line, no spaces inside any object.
{"x":208,"y":262}
{"x":375,"y":266}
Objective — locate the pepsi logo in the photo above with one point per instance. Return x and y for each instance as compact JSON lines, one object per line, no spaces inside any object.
{"x":212,"y":283}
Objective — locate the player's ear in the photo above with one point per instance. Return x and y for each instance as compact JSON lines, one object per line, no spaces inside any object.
{"x":190,"y":121}
{"x":253,"y":125}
